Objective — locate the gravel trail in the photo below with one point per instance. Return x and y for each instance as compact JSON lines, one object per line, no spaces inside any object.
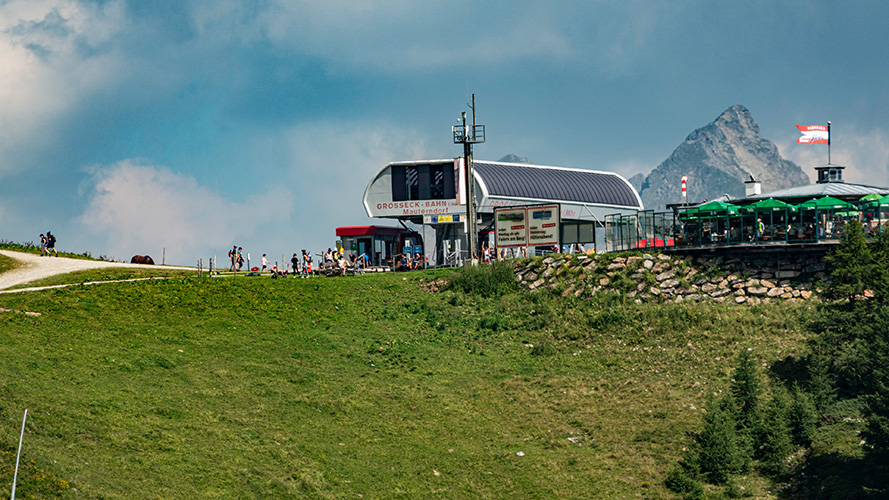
{"x":37,"y":267}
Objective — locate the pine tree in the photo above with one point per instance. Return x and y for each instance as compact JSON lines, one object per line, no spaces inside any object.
{"x":879,"y":278}
{"x":776,"y":442}
{"x":746,"y":389}
{"x":803,"y":417}
{"x":719,"y":453}
{"x":877,"y":393}
{"x":822,"y":387}
{"x":851,"y":265}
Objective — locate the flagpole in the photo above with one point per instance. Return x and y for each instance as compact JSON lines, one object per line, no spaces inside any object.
{"x":828,"y":142}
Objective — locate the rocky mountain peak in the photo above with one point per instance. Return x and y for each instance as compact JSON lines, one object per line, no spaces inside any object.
{"x":718,"y":158}
{"x":737,"y":118}
{"x":511,"y":158}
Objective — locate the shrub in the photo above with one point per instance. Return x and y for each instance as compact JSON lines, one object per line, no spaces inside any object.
{"x":543,"y":348}
{"x":485,"y":280}
{"x":680,"y":481}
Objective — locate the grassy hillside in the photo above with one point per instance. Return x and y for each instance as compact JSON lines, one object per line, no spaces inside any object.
{"x":365,"y":387}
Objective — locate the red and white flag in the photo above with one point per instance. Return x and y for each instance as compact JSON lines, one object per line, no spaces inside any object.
{"x":814,"y":134}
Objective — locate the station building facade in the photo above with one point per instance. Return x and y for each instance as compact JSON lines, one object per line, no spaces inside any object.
{"x":432,"y":193}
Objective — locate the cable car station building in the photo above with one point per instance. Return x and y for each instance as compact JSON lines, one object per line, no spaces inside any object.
{"x":432,"y":193}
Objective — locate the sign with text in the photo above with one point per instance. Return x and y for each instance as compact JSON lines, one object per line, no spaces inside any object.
{"x":510,"y":227}
{"x":543,"y":225}
{"x":527,"y":226}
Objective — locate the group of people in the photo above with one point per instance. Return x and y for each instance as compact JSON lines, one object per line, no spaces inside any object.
{"x":338,"y":259}
{"x":48,"y":245}
{"x":410,"y":263}
{"x":236,"y":256}
{"x":301,"y":267}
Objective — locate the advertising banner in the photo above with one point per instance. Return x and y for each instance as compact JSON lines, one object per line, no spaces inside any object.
{"x":543,"y":225}
{"x":527,"y":226}
{"x":510,"y":227}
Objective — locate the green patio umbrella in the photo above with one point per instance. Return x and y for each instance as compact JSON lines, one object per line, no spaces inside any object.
{"x":870,"y":197}
{"x":718,"y":208}
{"x":770,"y":205}
{"x":826,"y":203}
{"x":877,"y":202}
{"x":710,"y":210}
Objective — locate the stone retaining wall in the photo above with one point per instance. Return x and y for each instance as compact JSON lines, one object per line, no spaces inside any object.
{"x":675,"y":278}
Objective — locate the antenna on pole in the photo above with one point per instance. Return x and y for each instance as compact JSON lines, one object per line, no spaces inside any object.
{"x":467,"y":136}
{"x":828,"y":142}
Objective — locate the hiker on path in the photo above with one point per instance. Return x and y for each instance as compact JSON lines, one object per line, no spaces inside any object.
{"x":43,"y":251}
{"x":233,"y":257}
{"x":51,"y":244}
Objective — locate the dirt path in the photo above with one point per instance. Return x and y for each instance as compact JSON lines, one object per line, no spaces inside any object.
{"x":37,"y":267}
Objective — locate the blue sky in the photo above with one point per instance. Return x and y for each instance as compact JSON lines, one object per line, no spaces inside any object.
{"x":132,"y":127}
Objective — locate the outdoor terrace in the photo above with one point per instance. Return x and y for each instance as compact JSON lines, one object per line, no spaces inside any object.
{"x":768,"y":222}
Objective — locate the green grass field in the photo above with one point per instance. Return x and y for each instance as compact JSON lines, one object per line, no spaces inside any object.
{"x":360,"y":387}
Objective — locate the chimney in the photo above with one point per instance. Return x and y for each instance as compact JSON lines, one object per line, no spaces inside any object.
{"x":752,"y":187}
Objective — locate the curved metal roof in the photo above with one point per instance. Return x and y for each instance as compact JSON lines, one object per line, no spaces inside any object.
{"x":557,"y":184}
{"x":835,"y":189}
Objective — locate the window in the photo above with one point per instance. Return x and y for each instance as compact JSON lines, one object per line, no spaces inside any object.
{"x":423,"y":182}
{"x":436,"y":185}
{"x":412,"y":182}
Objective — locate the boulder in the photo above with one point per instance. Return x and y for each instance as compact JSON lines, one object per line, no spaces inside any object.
{"x":666,"y":275}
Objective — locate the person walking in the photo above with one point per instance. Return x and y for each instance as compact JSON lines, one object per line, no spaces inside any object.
{"x":43,"y":251}
{"x":265,"y":263}
{"x":233,"y":257}
{"x":240,"y":258}
{"x":307,"y":265}
{"x":294,"y":264}
{"x":51,"y":244}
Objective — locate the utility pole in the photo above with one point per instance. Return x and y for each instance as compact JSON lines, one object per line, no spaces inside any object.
{"x":467,"y":136}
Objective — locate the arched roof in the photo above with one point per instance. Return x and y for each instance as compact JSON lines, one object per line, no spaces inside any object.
{"x":512,"y":180}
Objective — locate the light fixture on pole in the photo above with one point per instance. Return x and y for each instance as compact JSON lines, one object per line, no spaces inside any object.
{"x":469,"y":135}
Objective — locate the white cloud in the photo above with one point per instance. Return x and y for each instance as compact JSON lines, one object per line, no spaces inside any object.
{"x":865,"y":154}
{"x":53,"y":51}
{"x":331,"y":164}
{"x":138,"y":209}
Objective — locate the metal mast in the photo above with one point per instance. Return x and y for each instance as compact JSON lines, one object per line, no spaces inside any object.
{"x":466,"y":135}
